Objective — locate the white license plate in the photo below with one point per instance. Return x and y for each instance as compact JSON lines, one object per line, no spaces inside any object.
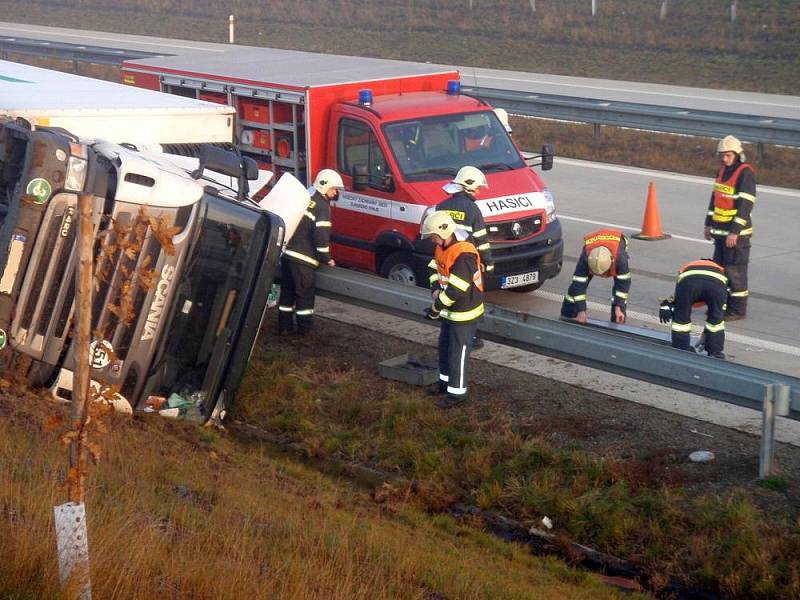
{"x":510,"y":281}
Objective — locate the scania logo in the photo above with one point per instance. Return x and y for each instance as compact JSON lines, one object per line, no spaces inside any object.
{"x":516,"y":229}
{"x":159,"y":303}
{"x":66,"y":224}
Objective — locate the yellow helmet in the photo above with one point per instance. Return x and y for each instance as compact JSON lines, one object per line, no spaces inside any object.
{"x":599,"y":260}
{"x":730,"y":144}
{"x":439,"y":223}
{"x":470,"y":178}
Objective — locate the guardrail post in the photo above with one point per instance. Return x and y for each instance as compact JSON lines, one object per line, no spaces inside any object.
{"x":777,"y":401}
{"x":231,"y":30}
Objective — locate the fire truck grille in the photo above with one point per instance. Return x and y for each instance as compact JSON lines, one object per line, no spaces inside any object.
{"x":516,"y":229}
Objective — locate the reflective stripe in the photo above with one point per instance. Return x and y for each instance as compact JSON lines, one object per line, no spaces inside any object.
{"x":459,"y":283}
{"x":710,"y":213}
{"x":432,"y":263}
{"x":719,"y":276}
{"x":462,"y":316}
{"x":681,"y":327}
{"x":715,"y":328}
{"x":310,"y":215}
{"x":578,"y":298}
{"x":433,"y":277}
{"x":286,"y":308}
{"x":302,"y":313}
{"x":742,"y":294}
{"x":323,"y":223}
{"x":467,"y":228}
{"x":485,"y":246}
{"x":720,"y":232}
{"x":725,"y":212}
{"x":445,"y":299}
{"x":479,"y":233}
{"x":489,"y":268}
{"x":739,"y":221}
{"x":444,"y":378}
{"x":323,"y":248}
{"x":303,"y":257}
{"x":454,"y":391}
{"x":624,"y":276}
{"x":622,"y":295}
{"x":748,"y":231}
{"x":749,"y":197}
{"x":580,"y":279}
{"x":721,"y":219}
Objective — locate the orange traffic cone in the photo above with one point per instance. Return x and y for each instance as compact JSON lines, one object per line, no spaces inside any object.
{"x":651,"y":226}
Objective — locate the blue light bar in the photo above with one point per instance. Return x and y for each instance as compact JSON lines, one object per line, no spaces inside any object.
{"x":454,"y":87}
{"x":365,"y":97}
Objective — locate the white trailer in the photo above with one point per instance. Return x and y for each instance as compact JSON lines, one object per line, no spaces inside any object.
{"x":96,"y":109}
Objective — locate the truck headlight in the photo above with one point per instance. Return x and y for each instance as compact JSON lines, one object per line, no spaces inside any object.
{"x":76,"y":174}
{"x":549,"y":205}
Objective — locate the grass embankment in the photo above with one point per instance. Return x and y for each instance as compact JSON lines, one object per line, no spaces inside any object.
{"x":696,"y":45}
{"x":479,"y":455}
{"x":176,"y":511}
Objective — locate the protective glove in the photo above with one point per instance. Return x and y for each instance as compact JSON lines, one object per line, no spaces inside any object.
{"x":665,"y":310}
{"x":431,"y":313}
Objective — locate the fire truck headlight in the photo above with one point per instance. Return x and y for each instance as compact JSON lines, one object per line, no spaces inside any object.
{"x":549,"y":205}
{"x":76,"y":174}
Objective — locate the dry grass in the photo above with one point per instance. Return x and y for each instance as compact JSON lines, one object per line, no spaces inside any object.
{"x":635,"y":508}
{"x":179,"y":512}
{"x":696,"y":45}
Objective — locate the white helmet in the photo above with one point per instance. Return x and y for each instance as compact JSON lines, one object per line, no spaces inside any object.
{"x":599,"y":260}
{"x":440,"y":223}
{"x":502,"y":114}
{"x":327,"y":179}
{"x":730,"y":144}
{"x":470,"y":179}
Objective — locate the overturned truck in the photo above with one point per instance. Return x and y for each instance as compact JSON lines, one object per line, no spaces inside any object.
{"x":183,"y":267}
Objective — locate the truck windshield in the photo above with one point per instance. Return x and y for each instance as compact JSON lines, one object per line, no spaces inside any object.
{"x":434,"y":148}
{"x":210,"y":299}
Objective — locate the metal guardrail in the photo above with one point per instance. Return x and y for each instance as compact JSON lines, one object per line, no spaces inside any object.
{"x":607,"y":349}
{"x":65,"y":51}
{"x":649,"y":117}
{"x":668,"y":119}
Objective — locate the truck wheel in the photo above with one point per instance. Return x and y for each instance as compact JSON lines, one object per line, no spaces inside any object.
{"x":403,"y":268}
{"x":524,"y":289}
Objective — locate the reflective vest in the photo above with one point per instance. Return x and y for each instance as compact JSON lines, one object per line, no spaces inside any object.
{"x":725,"y":195}
{"x":707,"y":268}
{"x":609,"y":238}
{"x":468,"y":304}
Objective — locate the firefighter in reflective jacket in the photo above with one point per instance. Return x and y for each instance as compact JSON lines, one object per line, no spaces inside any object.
{"x":308,"y":248}
{"x":463,"y":210}
{"x":729,"y":224}
{"x":699,"y":282}
{"x":457,"y":303}
{"x":604,"y":254}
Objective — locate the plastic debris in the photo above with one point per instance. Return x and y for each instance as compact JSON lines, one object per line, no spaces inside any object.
{"x":701,"y":456}
{"x":547,"y":522}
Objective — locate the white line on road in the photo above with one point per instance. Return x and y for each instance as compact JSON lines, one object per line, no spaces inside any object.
{"x":616,"y":226}
{"x":650,"y":319}
{"x":665,"y":175}
{"x":634,"y":90}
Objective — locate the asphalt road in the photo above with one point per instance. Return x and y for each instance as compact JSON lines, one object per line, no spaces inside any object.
{"x":591,"y":195}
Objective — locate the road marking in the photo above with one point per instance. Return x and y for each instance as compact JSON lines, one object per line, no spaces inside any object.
{"x":650,"y":319}
{"x":671,"y":176}
{"x":116,"y":40}
{"x":616,"y":226}
{"x":721,"y":97}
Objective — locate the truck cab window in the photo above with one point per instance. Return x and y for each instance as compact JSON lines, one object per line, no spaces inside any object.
{"x":358,"y":145}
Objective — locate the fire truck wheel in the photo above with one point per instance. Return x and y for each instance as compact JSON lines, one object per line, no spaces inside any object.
{"x":524,"y":289}
{"x":403,"y":268}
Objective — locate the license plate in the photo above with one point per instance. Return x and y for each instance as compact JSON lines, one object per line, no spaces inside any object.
{"x":510,"y":281}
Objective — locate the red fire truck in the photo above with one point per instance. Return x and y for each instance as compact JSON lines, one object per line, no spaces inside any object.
{"x":396,"y":131}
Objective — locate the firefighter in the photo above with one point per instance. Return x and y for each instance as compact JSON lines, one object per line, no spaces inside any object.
{"x":457,"y":303}
{"x":308,"y":248}
{"x":699,"y":282}
{"x":604,"y":254}
{"x":461,"y":206}
{"x":729,"y":224}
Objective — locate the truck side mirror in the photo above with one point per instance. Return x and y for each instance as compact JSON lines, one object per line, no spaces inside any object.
{"x":547,"y":157}
{"x":360,"y":177}
{"x":250,"y":168}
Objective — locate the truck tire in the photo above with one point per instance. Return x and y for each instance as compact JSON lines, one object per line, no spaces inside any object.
{"x":524,"y":289}
{"x":404,"y":268}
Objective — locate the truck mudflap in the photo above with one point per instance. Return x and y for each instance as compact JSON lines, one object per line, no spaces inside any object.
{"x":521,"y":266}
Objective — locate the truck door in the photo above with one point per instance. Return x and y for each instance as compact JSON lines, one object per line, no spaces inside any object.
{"x":359,"y":217}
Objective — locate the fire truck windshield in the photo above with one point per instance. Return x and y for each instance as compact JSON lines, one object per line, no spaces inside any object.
{"x":434,"y":148}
